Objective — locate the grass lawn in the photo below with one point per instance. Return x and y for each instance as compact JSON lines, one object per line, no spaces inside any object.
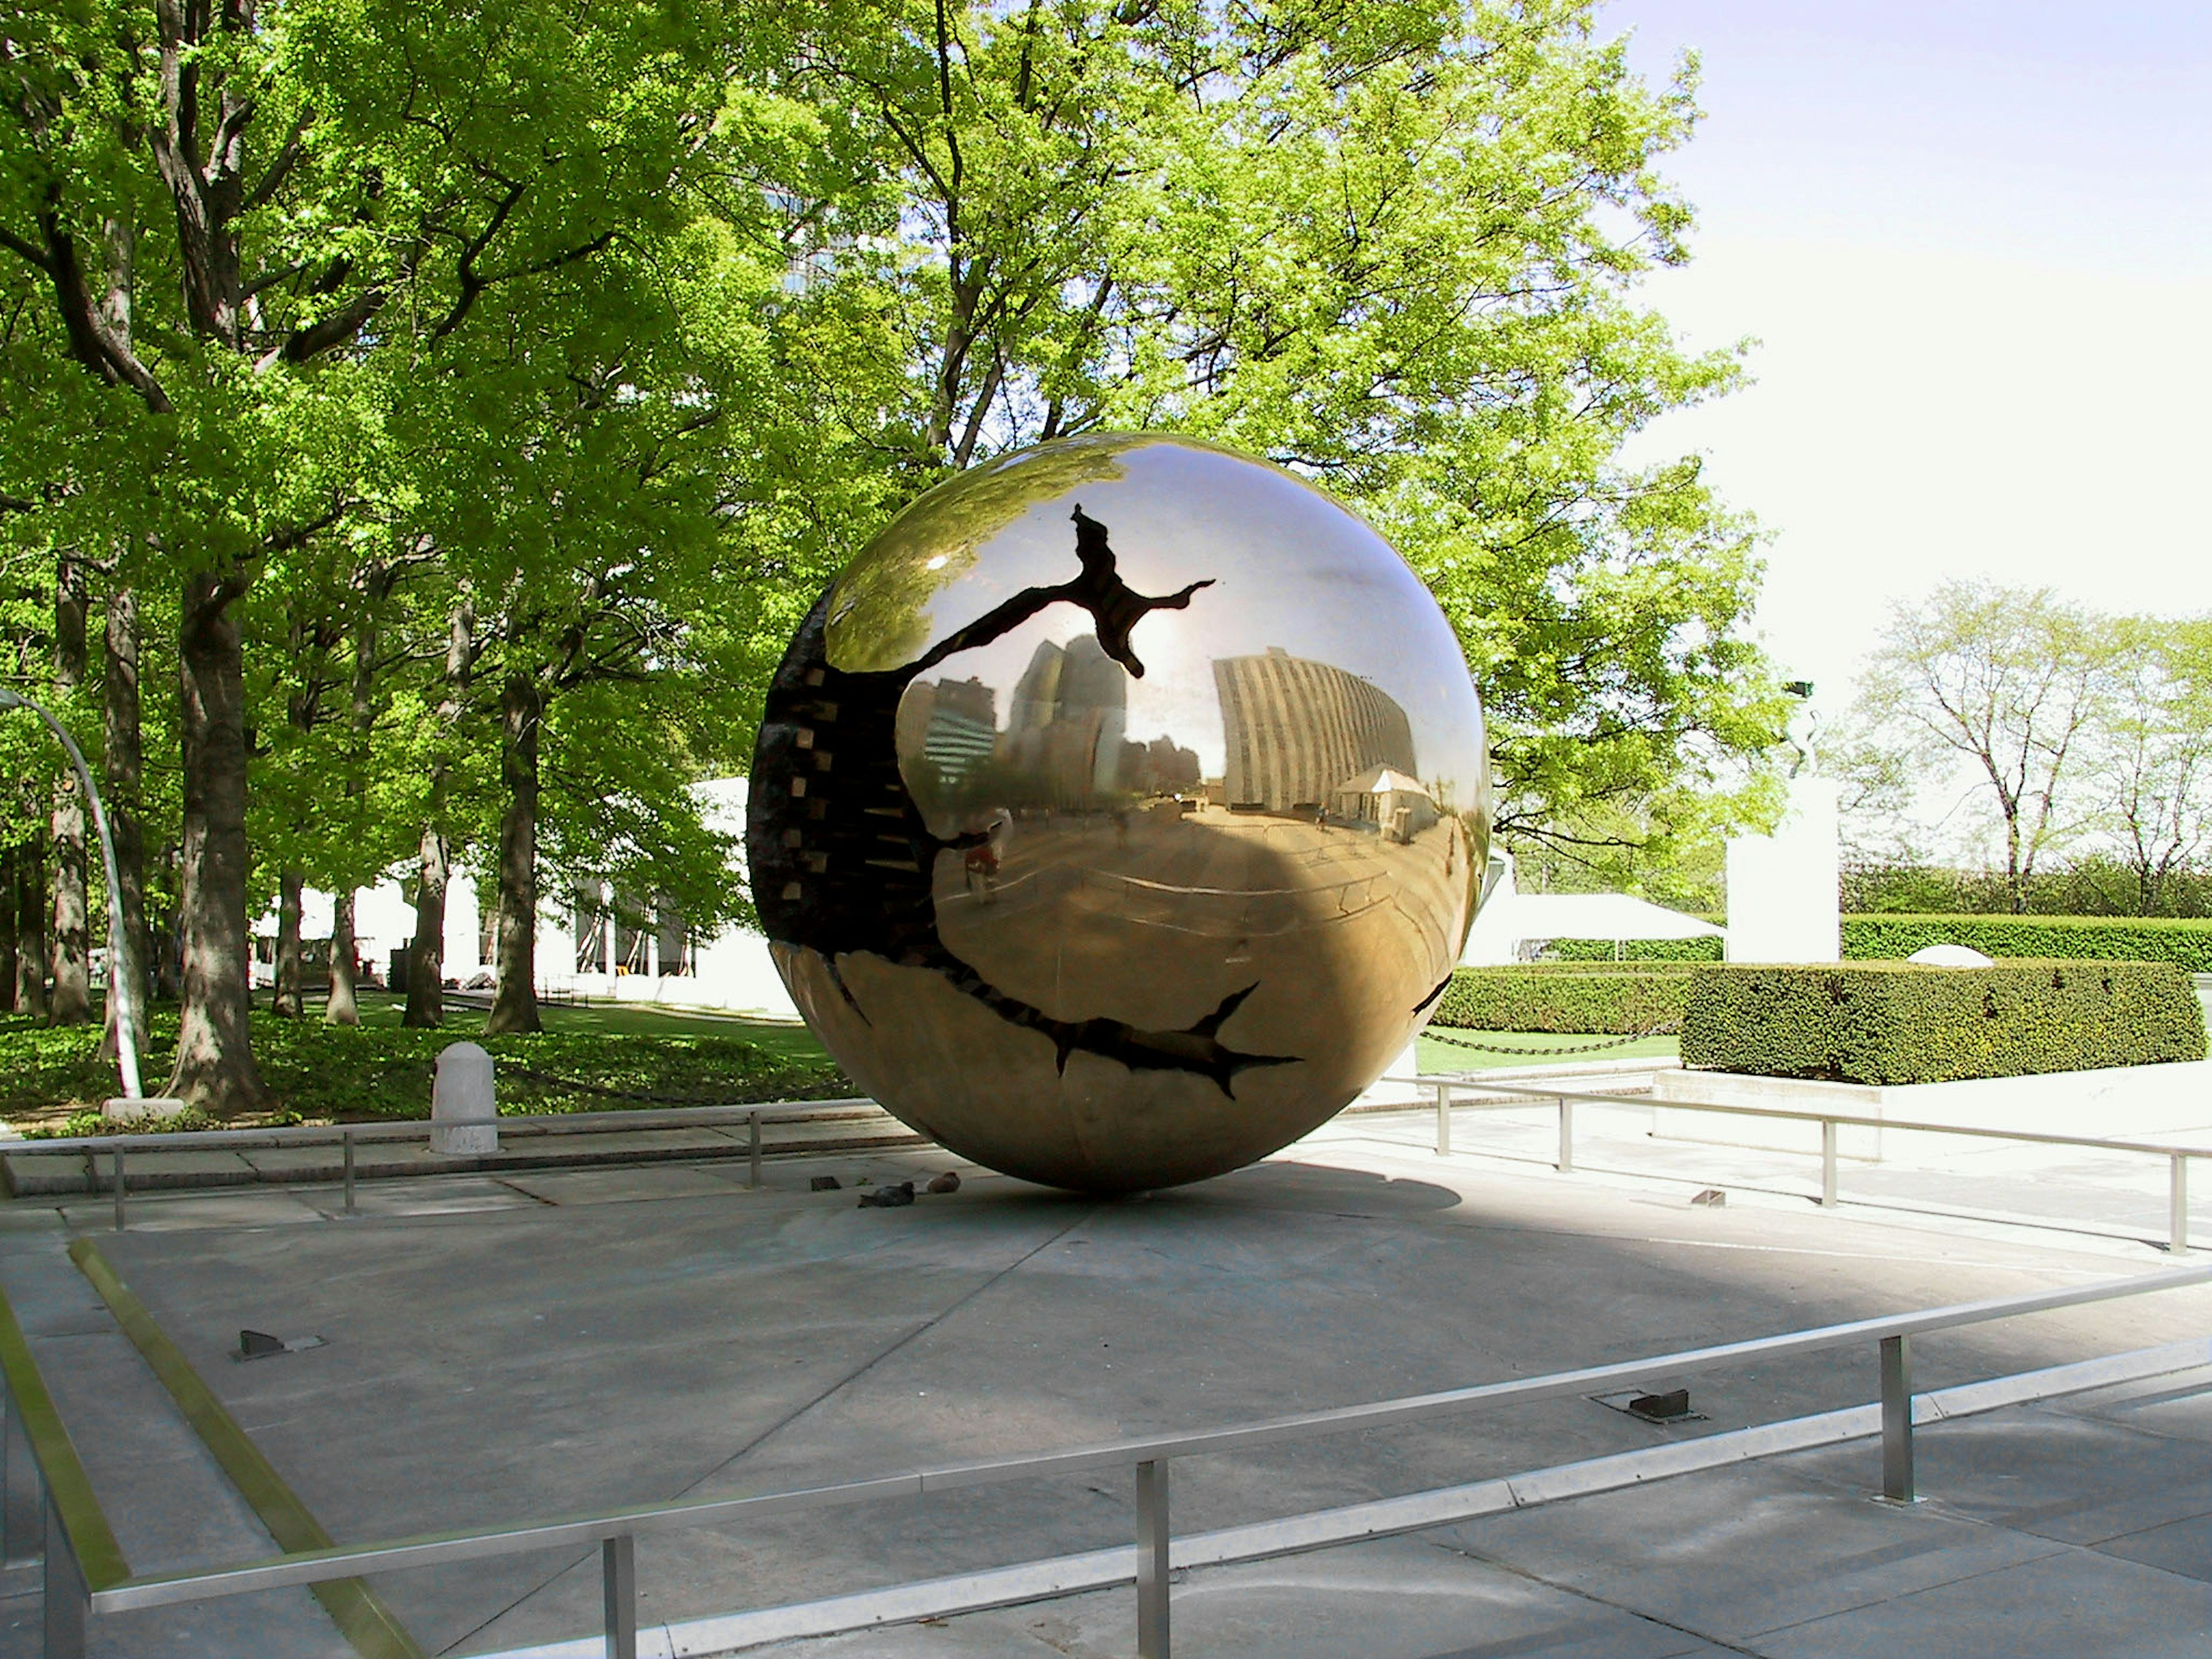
{"x":786,"y":1038}
{"x":52,"y":1081}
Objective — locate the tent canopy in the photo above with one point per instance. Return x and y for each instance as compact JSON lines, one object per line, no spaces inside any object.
{"x":1598,"y":915}
{"x":1382,"y":781}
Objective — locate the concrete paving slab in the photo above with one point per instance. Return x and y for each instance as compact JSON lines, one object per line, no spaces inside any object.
{"x":442,"y":1195}
{"x":1735,"y":1551}
{"x":2179,"y":1406}
{"x":168,"y":1504}
{"x":2080,"y":1604}
{"x":2179,"y":1546}
{"x":618,"y":1186}
{"x":487,"y":1368}
{"x":1403,"y":1599}
{"x":171,"y":1211}
{"x":2049,"y":1474}
{"x":36,"y":1173}
{"x":504,"y":1349}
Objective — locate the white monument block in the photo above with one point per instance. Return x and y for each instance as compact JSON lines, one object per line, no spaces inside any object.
{"x":464,"y":1118}
{"x":1783,"y":902}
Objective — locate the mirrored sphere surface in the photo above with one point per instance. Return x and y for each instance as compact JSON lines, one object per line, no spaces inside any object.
{"x":1120,"y":812}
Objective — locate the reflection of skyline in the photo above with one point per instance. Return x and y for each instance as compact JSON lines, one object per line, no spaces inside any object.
{"x":1064,"y":742}
{"x":1291,"y":568}
{"x":1300,"y":737}
{"x":1299,"y":734}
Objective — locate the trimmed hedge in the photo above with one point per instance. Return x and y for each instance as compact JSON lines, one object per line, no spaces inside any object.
{"x":1593,"y":998}
{"x":2078,"y":938}
{"x":1889,"y":1022}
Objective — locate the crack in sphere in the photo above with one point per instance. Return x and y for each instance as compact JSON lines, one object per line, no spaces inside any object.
{"x":1119,"y":813}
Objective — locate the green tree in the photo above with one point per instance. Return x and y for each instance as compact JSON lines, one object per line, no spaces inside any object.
{"x":2002,"y":684}
{"x":1391,"y":247}
{"x":2150,"y":750}
{"x":243,"y":226}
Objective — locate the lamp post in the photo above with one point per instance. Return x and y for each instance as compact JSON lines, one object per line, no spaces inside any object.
{"x":119,"y":980}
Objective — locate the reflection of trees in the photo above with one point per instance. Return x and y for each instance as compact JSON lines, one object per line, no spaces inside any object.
{"x":879,"y":609}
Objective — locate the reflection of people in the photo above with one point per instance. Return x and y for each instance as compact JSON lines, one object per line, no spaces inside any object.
{"x":983,"y":857}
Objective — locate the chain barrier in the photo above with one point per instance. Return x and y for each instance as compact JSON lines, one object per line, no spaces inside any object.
{"x":1667,"y":1030}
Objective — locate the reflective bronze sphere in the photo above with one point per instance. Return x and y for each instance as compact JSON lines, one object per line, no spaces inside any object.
{"x":1120,"y":812}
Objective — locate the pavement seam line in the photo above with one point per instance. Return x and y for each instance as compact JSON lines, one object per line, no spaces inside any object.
{"x":359,"y":1612}
{"x":915,"y":1335}
{"x":793,"y":1416}
{"x":1590,"y":1596}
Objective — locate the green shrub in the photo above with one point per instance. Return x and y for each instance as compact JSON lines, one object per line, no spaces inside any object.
{"x":1569,"y":997}
{"x":2103,"y":938}
{"x":1639,"y":950}
{"x":1893,"y":1022}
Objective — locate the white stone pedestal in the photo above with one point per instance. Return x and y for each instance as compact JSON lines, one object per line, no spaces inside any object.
{"x":1783,"y":904}
{"x":464,"y":1117}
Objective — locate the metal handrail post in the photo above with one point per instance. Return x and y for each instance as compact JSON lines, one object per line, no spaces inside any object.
{"x":1566,"y":1135}
{"x":1828,"y":1135}
{"x":753,"y":1148}
{"x":1152,"y":1560}
{"x":1897,"y":1418}
{"x":2177,"y":1217}
{"x":23,"y":1493}
{"x":129,"y":1016}
{"x":121,"y":1188}
{"x":349,"y":1171}
{"x":1443,"y":1120}
{"x":67,"y":1599}
{"x":618,"y":1573}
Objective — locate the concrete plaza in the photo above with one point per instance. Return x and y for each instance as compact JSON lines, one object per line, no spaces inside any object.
{"x":525,"y":1346}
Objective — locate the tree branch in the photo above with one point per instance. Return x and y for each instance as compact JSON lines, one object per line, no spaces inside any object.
{"x":334,"y":329}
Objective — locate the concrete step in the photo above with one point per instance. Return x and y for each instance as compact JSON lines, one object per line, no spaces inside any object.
{"x":30,"y":1173}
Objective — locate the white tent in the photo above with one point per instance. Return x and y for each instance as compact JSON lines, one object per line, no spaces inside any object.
{"x":1602,"y":915}
{"x":1510,"y":918}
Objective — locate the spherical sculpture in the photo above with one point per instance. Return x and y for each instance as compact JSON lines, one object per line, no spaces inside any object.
{"x":1119,"y":814}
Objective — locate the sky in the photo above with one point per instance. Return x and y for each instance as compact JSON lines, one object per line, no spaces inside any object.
{"x":1974,"y":246}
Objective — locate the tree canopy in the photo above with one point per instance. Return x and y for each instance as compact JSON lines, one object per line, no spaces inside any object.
{"x":465,"y":404}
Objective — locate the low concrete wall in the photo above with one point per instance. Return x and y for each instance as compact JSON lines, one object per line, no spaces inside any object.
{"x":2117,"y":1102}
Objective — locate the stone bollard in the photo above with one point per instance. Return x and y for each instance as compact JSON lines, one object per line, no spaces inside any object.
{"x":464,"y":1118}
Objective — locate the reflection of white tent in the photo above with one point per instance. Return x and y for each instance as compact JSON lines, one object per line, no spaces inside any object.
{"x":1401,"y":807}
{"x":1382,"y":781}
{"x":1508,"y":920}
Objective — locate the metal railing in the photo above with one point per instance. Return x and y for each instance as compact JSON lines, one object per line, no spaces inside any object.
{"x":117,"y":1149}
{"x":86,"y":1576}
{"x":1446,"y":1089}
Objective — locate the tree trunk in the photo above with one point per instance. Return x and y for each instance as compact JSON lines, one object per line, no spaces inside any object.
{"x":31,"y":934}
{"x":514,"y":1003}
{"x":426,"y":964}
{"x":290,"y":1000}
{"x":214,"y":1068}
{"x":72,"y":966}
{"x":8,"y":932}
{"x":344,"y":1007}
{"x":426,"y":956}
{"x":124,"y":767}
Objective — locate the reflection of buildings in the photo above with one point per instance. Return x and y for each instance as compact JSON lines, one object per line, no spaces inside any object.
{"x":1299,"y":734}
{"x":1066,"y":729}
{"x":1070,"y":709}
{"x":957,"y":721}
{"x":1064,"y":744}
